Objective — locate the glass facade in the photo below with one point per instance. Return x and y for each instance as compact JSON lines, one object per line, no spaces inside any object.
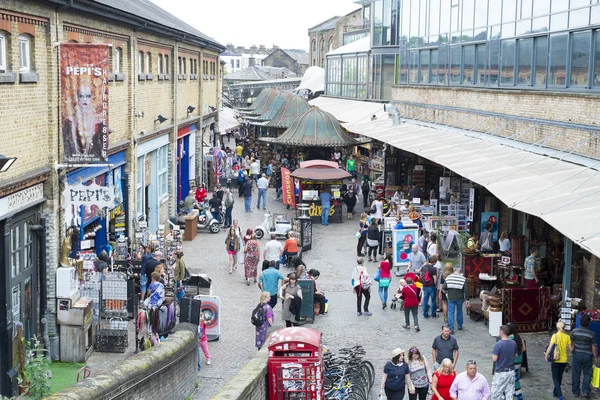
{"x":347,"y":75}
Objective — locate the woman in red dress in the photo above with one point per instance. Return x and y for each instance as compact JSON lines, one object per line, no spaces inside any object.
{"x":442,"y":380}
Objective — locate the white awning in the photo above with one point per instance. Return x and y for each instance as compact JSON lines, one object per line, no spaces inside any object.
{"x":227,"y":120}
{"x":358,"y":46}
{"x":525,"y":177}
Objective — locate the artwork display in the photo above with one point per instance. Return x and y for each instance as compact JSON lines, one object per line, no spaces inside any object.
{"x":402,"y":241}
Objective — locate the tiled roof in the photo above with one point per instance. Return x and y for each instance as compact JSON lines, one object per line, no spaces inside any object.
{"x":325,"y":25}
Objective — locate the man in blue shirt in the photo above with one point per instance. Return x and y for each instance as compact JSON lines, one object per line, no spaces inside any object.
{"x":325,"y":197}
{"x":269,"y":282}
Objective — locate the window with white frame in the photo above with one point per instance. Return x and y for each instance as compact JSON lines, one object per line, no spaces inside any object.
{"x":117,"y":57}
{"x":140,"y":62}
{"x":163,"y":171}
{"x":3,"y":62}
{"x":140,"y":185}
{"x":166,"y":68}
{"x":184,"y":63}
{"x":160,"y":64}
{"x":24,"y":53}
{"x":147,"y":63}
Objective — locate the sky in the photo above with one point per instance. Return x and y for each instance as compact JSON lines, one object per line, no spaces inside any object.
{"x":284,"y":23}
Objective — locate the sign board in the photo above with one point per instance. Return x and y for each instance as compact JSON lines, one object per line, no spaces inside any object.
{"x":89,"y":196}
{"x":288,"y":188}
{"x":402,"y":241}
{"x":22,"y":199}
{"x":308,"y":298}
{"x":84,"y":102}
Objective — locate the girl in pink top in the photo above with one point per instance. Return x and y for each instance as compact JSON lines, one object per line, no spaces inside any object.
{"x":202,"y":342}
{"x":385,"y":277}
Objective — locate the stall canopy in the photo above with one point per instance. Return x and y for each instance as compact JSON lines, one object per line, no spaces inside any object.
{"x":561,"y":188}
{"x":260,"y":99}
{"x":227,"y":120}
{"x":312,"y":80}
{"x":320,"y":170}
{"x":288,"y":112}
{"x":315,"y":128}
{"x":271,"y":109}
{"x":264,"y":104}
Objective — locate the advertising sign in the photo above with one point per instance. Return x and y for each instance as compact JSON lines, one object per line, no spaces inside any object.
{"x":402,"y":241}
{"x":84,"y":102}
{"x":492,"y":218}
{"x":288,"y":188}
{"x":93,"y":197}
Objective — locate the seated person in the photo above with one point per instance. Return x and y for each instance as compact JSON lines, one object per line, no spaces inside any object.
{"x":190,"y":202}
{"x":398,"y":296}
{"x":300,"y":268}
{"x":291,"y":246}
{"x":472,"y":242}
{"x":405,"y":209}
{"x":319,"y":296}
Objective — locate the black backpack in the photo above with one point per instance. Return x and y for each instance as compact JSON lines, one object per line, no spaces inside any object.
{"x":258,"y":315}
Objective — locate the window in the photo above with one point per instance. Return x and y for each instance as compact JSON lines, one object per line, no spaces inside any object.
{"x":147,"y":62}
{"x":434,"y":66}
{"x":141,"y":165}
{"x":468,"y":10}
{"x":191,"y":66}
{"x":24,"y":53}
{"x":163,"y":171}
{"x":3,"y":63}
{"x":468,"y":64}
{"x":413,"y":67}
{"x":455,"y":64}
{"x":179,"y":69}
{"x":166,"y":68}
{"x":480,"y":63}
{"x":580,"y":59}
{"x":118,"y":57}
{"x":508,"y":63}
{"x":160,"y":64}
{"x":237,"y":63}
{"x":596,"y":73}
{"x":481,"y":8}
{"x":541,"y":57}
{"x":558,"y":60}
{"x":140,"y":63}
{"x":493,"y":66}
{"x":184,"y":64}
{"x":525,"y":50}
{"x":314,"y":45}
{"x":424,"y":74}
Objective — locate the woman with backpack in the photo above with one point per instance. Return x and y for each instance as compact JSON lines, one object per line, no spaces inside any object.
{"x":267,"y":312}
{"x":361,"y":286}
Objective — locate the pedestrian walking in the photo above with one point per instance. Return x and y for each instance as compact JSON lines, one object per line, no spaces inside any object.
{"x":203,"y":342}
{"x":377,"y":209}
{"x":410,"y":296}
{"x":470,"y":385}
{"x":269,"y":281}
{"x":373,"y":240}
{"x":232,"y":245}
{"x":585,"y":353}
{"x":384,"y":280}
{"x":261,"y":331}
{"x":179,"y":275}
{"x":396,"y":377}
{"x":443,"y":292}
{"x":229,"y":200}
{"x":241,"y":175}
{"x":325,"y":198}
{"x":247,"y":191}
{"x":429,"y":281}
{"x":442,"y":379}
{"x":416,"y":261}
{"x":514,"y":335}
{"x":361,"y":287}
{"x":444,"y":346}
{"x":531,"y":280}
{"x":290,"y":293}
{"x":420,"y":374}
{"x":504,"y":354}
{"x":456,"y":288}
{"x":363,"y":228}
{"x":273,"y":250}
{"x":263,"y":185}
{"x":365,"y":188}
{"x":251,"y":258}
{"x":562,"y":340}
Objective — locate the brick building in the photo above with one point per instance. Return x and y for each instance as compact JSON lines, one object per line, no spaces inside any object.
{"x":158,"y":66}
{"x":295,"y":61}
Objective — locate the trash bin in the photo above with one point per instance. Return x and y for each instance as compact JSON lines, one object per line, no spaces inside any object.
{"x":295,"y":365}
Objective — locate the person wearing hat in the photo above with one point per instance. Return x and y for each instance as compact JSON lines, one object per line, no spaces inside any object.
{"x":396,"y":377}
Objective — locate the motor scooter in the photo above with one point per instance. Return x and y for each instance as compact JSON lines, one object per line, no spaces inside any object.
{"x":277,"y":223}
{"x":205,"y":219}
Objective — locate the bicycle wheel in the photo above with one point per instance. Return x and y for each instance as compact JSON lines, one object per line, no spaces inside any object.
{"x":356,"y":396}
{"x":366,"y":365}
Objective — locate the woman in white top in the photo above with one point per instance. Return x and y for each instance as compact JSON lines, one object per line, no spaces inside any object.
{"x":378,"y":206}
{"x":504,"y":242}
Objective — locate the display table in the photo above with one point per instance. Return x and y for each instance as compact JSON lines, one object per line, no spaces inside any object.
{"x":335,"y":212}
{"x":475,"y":264}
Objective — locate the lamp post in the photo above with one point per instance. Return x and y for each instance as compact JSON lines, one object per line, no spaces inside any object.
{"x":6,"y":162}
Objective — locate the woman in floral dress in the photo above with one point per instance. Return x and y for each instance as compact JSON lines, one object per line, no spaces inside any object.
{"x":251,"y":258}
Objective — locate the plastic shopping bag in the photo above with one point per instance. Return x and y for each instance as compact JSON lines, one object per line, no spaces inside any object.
{"x":596,"y":377}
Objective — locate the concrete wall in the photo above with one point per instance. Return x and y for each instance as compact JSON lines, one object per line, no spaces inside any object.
{"x":250,"y":383}
{"x":166,"y":371}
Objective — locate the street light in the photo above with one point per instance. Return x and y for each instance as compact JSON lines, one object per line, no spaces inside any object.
{"x":6,"y":162}
{"x":160,"y":119}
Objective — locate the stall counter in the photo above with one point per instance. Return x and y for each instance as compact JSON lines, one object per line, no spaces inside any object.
{"x":335,"y":213}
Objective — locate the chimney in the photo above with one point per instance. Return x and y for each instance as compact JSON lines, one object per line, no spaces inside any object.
{"x":253,"y":49}
{"x":252,"y":62}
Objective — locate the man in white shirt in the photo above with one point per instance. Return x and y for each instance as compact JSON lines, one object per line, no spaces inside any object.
{"x":255,"y":170}
{"x":273,"y":250}
{"x":263,"y":184}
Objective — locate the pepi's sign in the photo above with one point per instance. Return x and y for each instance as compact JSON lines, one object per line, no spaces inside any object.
{"x":91,"y":196}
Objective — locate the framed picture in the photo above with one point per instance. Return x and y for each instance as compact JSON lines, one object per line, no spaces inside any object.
{"x":402,"y":241}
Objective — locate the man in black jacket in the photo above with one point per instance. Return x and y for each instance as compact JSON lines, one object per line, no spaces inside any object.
{"x":215,"y":207}
{"x":149,"y":267}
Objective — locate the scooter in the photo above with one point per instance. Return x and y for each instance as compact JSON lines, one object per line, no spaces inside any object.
{"x":205,"y":219}
{"x":281,"y":226}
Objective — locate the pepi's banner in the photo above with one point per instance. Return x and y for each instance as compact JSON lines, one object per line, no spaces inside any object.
{"x":84,"y":102}
{"x":288,"y":188}
{"x":93,"y":197}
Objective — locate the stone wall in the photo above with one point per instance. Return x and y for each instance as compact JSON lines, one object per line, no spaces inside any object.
{"x":250,"y":383}
{"x":591,"y":270}
{"x":166,"y":371}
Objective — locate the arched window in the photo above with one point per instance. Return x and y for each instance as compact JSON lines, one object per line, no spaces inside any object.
{"x":314,"y":45}
{"x":166,"y":69}
{"x":117,"y":59}
{"x":179,"y":68}
{"x":148,"y":63}
{"x":3,"y":56}
{"x":330,"y":44}
{"x":160,"y":64}
{"x":184,"y":63}
{"x":25,"y":55}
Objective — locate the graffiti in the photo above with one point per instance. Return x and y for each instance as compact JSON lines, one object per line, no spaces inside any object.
{"x":315,"y":211}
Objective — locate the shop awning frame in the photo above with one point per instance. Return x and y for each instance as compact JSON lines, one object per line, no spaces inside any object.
{"x":560,"y":187}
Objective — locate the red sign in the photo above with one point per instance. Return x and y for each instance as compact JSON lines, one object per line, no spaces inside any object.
{"x":288,"y":189}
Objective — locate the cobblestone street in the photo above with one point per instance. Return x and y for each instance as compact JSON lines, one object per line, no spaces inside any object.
{"x":333,"y":254}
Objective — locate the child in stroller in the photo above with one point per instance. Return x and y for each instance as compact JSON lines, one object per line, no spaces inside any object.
{"x":397,"y":299}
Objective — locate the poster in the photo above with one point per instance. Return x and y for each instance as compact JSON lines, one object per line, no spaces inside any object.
{"x":402,"y":241}
{"x":288,"y":188}
{"x":492,"y":218}
{"x":444,"y":193}
{"x":84,"y":102}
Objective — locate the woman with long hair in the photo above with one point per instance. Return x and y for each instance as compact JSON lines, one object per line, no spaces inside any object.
{"x":392,"y":210}
{"x":361,"y":287}
{"x":363,"y":227}
{"x":562,"y":340}
{"x":504,"y":243}
{"x":251,"y":258}
{"x":373,"y":240}
{"x":442,"y":380}
{"x":288,"y":293}
{"x":261,"y":331}
{"x":385,"y":278}
{"x":514,"y":335}
{"x":232,"y":245}
{"x":442,"y":296}
{"x":420,"y":375}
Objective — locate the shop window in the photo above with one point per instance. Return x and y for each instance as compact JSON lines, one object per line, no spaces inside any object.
{"x":507,"y":76}
{"x":160,"y":64}
{"x":424,"y":70}
{"x":480,"y":64}
{"x":455,"y":65}
{"x":541,"y":58}
{"x":3,"y":58}
{"x":525,"y":49}
{"x":596,"y":73}
{"x":468,"y":64}
{"x":140,"y":62}
{"x":117,"y":60}
{"x":25,"y":53}
{"x":580,"y":59}
{"x":163,"y":171}
{"x":558,"y":60}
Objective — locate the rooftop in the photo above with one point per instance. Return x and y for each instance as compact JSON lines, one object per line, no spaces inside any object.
{"x":325,"y":25}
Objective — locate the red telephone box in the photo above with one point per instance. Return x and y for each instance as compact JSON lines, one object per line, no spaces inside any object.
{"x":295,"y":364}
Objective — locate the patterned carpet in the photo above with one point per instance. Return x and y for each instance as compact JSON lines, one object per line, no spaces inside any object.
{"x":522,"y":307}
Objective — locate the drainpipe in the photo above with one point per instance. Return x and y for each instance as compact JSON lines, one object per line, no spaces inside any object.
{"x":40,"y":231}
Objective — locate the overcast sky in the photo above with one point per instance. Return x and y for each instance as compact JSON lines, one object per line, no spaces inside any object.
{"x":284,"y":23}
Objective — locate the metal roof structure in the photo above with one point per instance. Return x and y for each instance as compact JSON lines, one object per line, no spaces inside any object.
{"x":288,"y":112}
{"x":271,"y":109}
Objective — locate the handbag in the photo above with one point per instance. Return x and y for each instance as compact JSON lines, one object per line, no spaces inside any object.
{"x":554,"y":353}
{"x":372,"y":242}
{"x":377,"y":275}
{"x":385,"y":282}
{"x":596,"y":378}
{"x":358,"y":235}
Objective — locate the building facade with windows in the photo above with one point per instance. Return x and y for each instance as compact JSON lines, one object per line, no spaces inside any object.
{"x":168,"y":69}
